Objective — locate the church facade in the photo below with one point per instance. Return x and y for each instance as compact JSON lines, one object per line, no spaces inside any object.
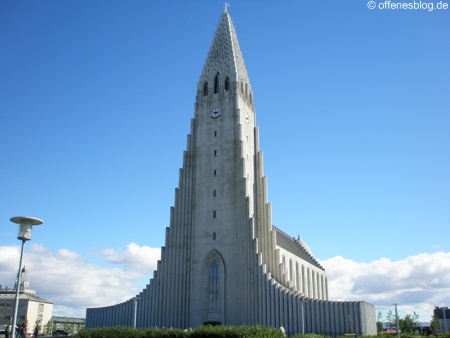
{"x":223,"y":261}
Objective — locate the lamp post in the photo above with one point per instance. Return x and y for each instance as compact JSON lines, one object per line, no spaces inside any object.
{"x":445,"y":319}
{"x":135,"y":311}
{"x":303,"y":315}
{"x":396,"y":318}
{"x":25,"y":223}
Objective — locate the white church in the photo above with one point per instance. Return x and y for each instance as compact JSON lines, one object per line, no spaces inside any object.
{"x":223,"y":261}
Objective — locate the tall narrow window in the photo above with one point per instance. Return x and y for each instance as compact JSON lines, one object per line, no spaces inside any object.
{"x":214,"y":285}
{"x":216,"y":83}
{"x":227,"y":84}
{"x":205,"y":89}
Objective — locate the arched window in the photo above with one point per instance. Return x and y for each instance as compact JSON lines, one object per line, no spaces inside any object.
{"x":205,"y":88}
{"x":216,"y":83}
{"x":214,"y":285}
{"x":227,"y":84}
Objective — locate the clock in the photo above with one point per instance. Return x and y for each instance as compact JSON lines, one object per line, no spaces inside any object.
{"x":215,"y":112}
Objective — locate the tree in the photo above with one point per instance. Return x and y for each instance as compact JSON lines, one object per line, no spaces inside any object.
{"x":37,"y":327}
{"x":391,"y":320}
{"x":435,"y":324}
{"x":409,"y":322}
{"x":69,"y":327}
{"x":48,"y":327}
{"x":379,"y":322}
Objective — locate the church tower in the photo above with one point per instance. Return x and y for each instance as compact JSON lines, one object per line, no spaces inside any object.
{"x":223,"y":156}
{"x":231,"y":218}
{"x":223,"y":261}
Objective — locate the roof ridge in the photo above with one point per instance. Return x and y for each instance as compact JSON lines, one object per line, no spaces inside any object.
{"x":301,"y":245}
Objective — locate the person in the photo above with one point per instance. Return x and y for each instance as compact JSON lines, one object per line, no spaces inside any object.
{"x":18,"y":331}
{"x":7,"y":331}
{"x":24,"y":331}
{"x":36,"y":331}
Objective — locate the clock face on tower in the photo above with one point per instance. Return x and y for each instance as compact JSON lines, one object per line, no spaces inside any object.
{"x":215,"y":112}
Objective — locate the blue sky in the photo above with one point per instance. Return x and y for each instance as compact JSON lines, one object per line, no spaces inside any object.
{"x":353,"y":107}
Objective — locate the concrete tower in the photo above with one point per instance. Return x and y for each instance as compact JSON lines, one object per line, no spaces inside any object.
{"x":223,"y":261}
{"x":231,"y":218}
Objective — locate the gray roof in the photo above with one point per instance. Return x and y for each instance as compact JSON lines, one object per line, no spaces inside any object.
{"x":23,"y":296}
{"x":68,"y":320}
{"x":296,"y":247}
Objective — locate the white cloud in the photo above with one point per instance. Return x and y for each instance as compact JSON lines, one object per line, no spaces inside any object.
{"x":73,"y":284}
{"x":416,"y":283}
{"x":138,"y":257}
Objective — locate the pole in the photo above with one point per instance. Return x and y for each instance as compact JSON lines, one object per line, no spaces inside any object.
{"x":445,"y":319}
{"x":16,"y":306}
{"x":396,"y":318}
{"x":135,"y":311}
{"x":303,"y":316}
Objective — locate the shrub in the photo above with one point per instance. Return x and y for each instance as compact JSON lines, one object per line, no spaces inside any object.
{"x":199,"y":332}
{"x":309,"y":335}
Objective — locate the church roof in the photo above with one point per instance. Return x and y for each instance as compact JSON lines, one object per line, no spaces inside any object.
{"x":296,"y":247}
{"x":225,"y":55}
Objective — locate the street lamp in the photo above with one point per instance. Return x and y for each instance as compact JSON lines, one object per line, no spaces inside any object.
{"x":396,"y":318}
{"x":303,"y":315}
{"x":135,"y":310}
{"x":25,"y":223}
{"x":445,"y":319}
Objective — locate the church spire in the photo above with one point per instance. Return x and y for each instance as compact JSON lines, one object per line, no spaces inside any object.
{"x":224,"y":56}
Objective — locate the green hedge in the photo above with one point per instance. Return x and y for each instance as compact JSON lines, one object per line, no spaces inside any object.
{"x":199,"y":332}
{"x":212,"y":332}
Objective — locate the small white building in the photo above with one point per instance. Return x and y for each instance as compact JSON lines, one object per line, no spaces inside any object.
{"x":70,"y":324}
{"x":32,"y":308}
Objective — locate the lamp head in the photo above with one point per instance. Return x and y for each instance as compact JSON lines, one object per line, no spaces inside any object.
{"x":25,"y":224}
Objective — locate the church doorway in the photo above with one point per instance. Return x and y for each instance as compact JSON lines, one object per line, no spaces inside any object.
{"x":212,"y":323}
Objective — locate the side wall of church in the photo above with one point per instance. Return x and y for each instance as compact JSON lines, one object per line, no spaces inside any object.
{"x":165,"y":302}
{"x":276,"y":307}
{"x":303,"y":277}
{"x":290,"y":270}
